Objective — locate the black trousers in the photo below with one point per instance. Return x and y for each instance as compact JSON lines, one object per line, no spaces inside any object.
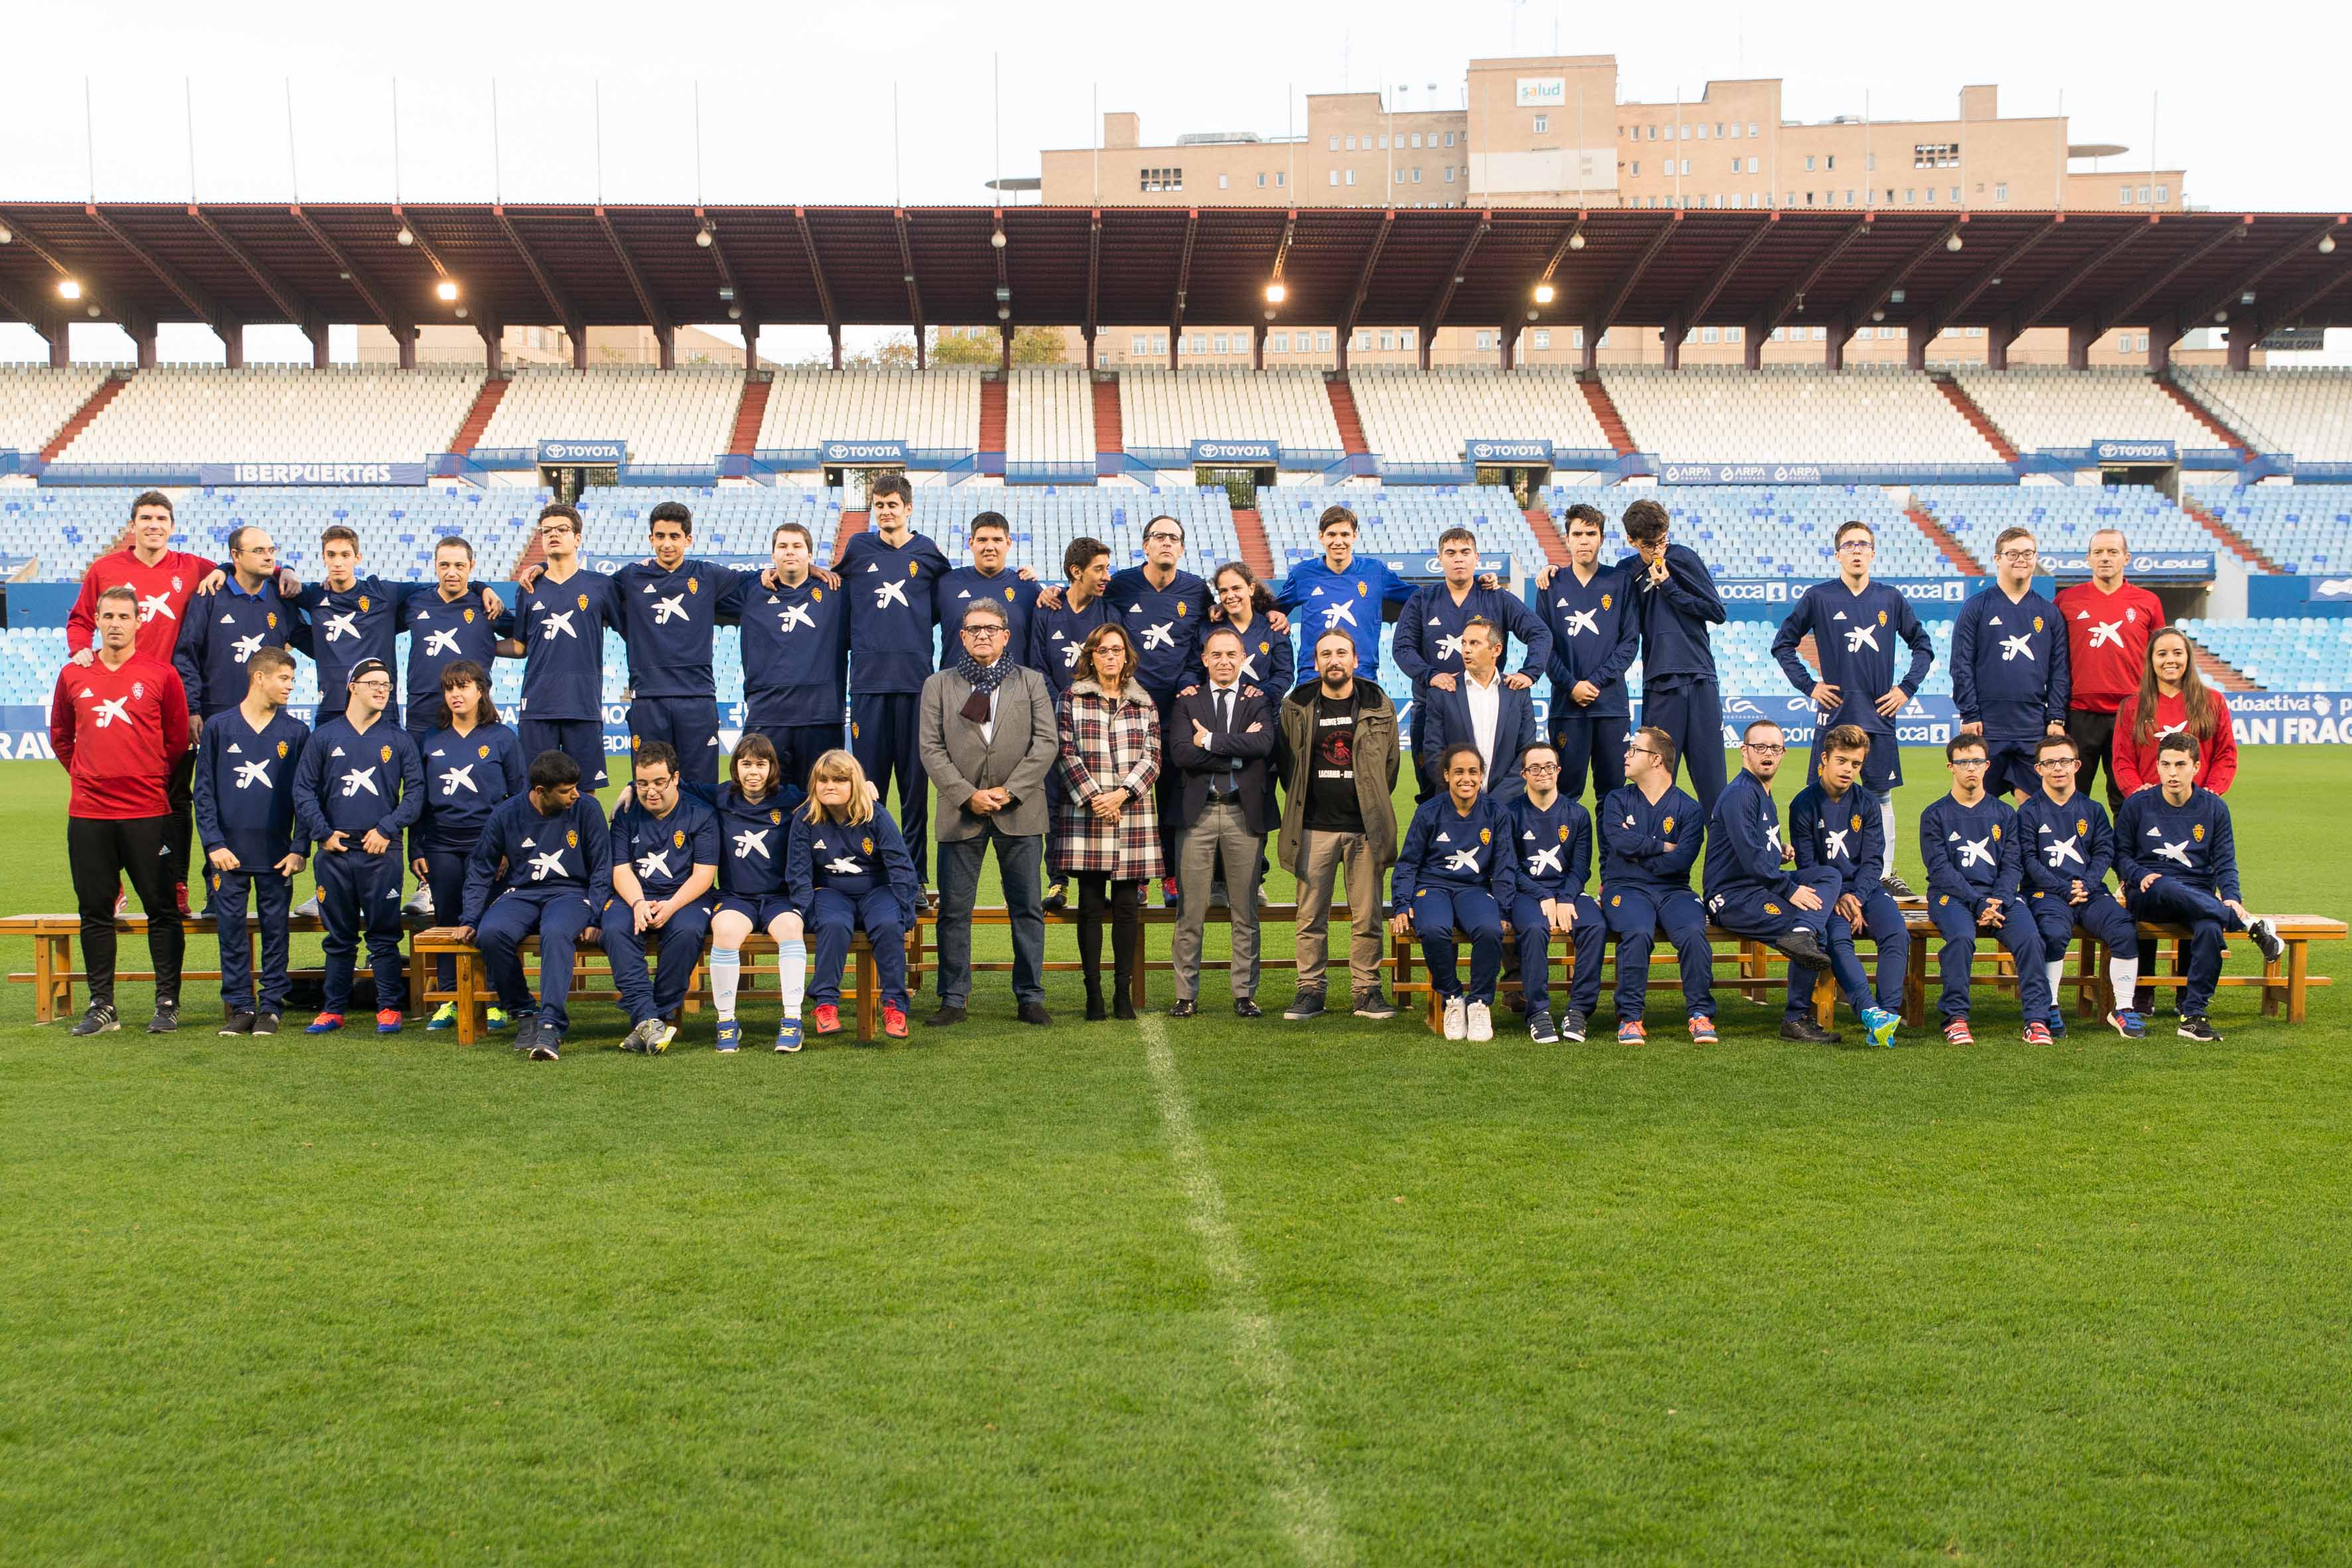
{"x":2093,"y":736}
{"x":103,"y":849}
{"x":180,"y":794}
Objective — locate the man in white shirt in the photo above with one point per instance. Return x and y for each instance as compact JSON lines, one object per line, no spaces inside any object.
{"x":1483,"y":710}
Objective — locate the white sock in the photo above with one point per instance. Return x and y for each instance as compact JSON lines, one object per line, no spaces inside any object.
{"x":791,"y":957}
{"x":1887,"y":818}
{"x":2055,"y":969}
{"x":726,"y":969}
{"x":2123,"y":974}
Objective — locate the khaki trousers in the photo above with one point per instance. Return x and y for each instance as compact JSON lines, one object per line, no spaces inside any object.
{"x":1326,"y":852}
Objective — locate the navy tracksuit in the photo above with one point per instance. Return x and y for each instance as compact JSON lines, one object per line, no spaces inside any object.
{"x":1594,"y":637}
{"x":964,"y":586}
{"x":351,"y":780}
{"x":1848,"y":835}
{"x":1679,"y":692}
{"x":1854,"y":637}
{"x":2061,"y":844}
{"x":1165,"y":626}
{"x":347,"y":625}
{"x":467,"y":777}
{"x":245,"y":803}
{"x":1428,"y":639}
{"x":1554,"y":846}
{"x":893,"y":605}
{"x":796,"y":670}
{"x":441,"y":631}
{"x":1455,"y":872}
{"x":1056,"y":637}
{"x":1646,"y":888}
{"x":562,"y":628}
{"x":666,"y":621}
{"x":2191,"y":850}
{"x":223,"y":630}
{"x":1973,"y":859}
{"x":2009,"y":673}
{"x":662,"y":852}
{"x":558,"y":874}
{"x":754,"y":836}
{"x":1749,"y":889}
{"x":845,"y":876}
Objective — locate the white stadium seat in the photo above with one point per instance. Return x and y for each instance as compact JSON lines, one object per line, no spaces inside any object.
{"x":684,"y":415}
{"x":1415,"y":416}
{"x":2305,"y":410}
{"x":1726,"y":414}
{"x":930,"y":410}
{"x":36,"y":402}
{"x":2041,"y":406}
{"x":186,"y":414}
{"x":1160,"y":409}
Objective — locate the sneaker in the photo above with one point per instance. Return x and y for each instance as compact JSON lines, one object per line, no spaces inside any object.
{"x":1540,"y":1030}
{"x":1457,"y":1018}
{"x":1805,"y":1032}
{"x":2267,"y":937}
{"x":1057,"y":896}
{"x":894,"y":1021}
{"x":420,"y":902}
{"x":2057,"y":1026}
{"x":1702,"y":1030}
{"x":1879,"y":1025}
{"x":2127,"y":1024}
{"x":387,"y":1020}
{"x":324,"y":1024}
{"x":826,"y":1017}
{"x":1374,"y":1005}
{"x":238,"y":1023}
{"x":496,"y":1020}
{"x":2036,"y":1032}
{"x":444,"y":1016}
{"x":307,"y":910}
{"x":1218,"y":898}
{"x":265,"y":1023}
{"x":731,"y":1035}
{"x":1802,"y":949}
{"x":2196,"y":1026}
{"x":1630,"y":1033}
{"x":1896,"y":885}
{"x":180,"y":897}
{"x":1306,"y":1004}
{"x":1168,"y":897}
{"x":1956,"y":1032}
{"x":166,"y":1020}
{"x":646,"y":1039}
{"x":1482,"y":1021}
{"x":99,"y":1020}
{"x":545,"y":1044}
{"x":789,"y":1036}
{"x":1184,"y":1007}
{"x":1247,"y":1008}
{"x":122,"y":902}
{"x":1572,"y":1025}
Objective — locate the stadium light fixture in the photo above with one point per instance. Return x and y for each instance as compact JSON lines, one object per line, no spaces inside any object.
{"x":7,"y":234}
{"x":1576,"y":240}
{"x":1545,"y":293}
{"x":702,"y":237}
{"x":1879,"y":315}
{"x":2219,"y":316}
{"x":1275,"y":293}
{"x":2327,"y":244}
{"x":406,"y":235}
{"x":1954,"y":243}
{"x":1896,"y":297}
{"x":91,"y":312}
{"x":1004,"y":312}
{"x":446,"y":289}
{"x":734,"y":312}
{"x":996,"y":239}
{"x":69,"y":289}
{"x":460,"y":312}
{"x":2247,"y":298}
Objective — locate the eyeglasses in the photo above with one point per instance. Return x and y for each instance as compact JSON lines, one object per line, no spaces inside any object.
{"x":982,"y":629}
{"x":2053,"y":764}
{"x":1971,"y":762}
{"x":1760,"y":749}
{"x":1534,"y":769}
{"x":1163,"y":537}
{"x":2019,"y":554}
{"x":1855,"y":545}
{"x":1640,"y":752}
{"x":374,"y":683}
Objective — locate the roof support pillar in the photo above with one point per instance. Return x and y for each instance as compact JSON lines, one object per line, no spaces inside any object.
{"x":318,"y":335}
{"x":1176,"y":343}
{"x":1835,"y":358}
{"x":1752,"y":348}
{"x":61,"y":347}
{"x":1089,"y":334}
{"x":1425,"y":342}
{"x":1005,"y":347}
{"x":1341,"y":338}
{"x":1257,"y":346}
{"x":580,"y":349}
{"x":666,"y":340}
{"x":1510,"y":345}
{"x":2078,"y":347}
{"x":2160,"y":354}
{"x":231,"y":337}
{"x":1670,"y":345}
{"x":2240,"y":350}
{"x":494,"y":348}
{"x":834,"y":333}
{"x":403,"y":335}
{"x":750,"y":348}
{"x":1589,"y":364}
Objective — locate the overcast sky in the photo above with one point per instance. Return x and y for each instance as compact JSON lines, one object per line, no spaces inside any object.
{"x":796,"y":102}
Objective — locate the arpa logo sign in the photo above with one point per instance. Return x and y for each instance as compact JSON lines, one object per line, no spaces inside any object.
{"x":2332,"y":588}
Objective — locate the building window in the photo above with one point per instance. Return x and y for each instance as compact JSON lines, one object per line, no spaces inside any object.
{"x":1654,"y":133}
{"x":1808,"y":164}
{"x":1416,"y":176}
{"x":1416,"y":137}
{"x":1734,"y":334}
{"x":2125,"y":195}
{"x":1735,"y":131}
{"x":1449,"y":139}
{"x":2143,"y":196}
{"x":1323,"y":342}
{"x":1279,"y":342}
{"x":1163,"y":179}
{"x":1935,"y":155}
{"x":1702,"y":132}
{"x":1829,"y":162}
{"x":1485,"y":342}
{"x":1708,"y":335}
{"x":1576,"y":337}
{"x":1221,"y":343}
{"x":2163,"y":194}
{"x":1138,"y":346}
{"x":1352,"y":143}
{"x":1351,"y":176}
{"x":1686,"y":167}
{"x":1159,"y":346}
{"x":1543,"y":338}
{"x":1223,"y":182}
{"x":1910,"y":194}
{"x":1281,"y":178}
{"x":1753,"y":165}
{"x":1335,"y":175}
{"x":1543,"y":123}
{"x":1449,"y":174}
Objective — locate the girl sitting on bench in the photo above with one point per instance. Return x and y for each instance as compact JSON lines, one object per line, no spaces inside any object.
{"x":752,"y":892}
{"x":847,"y":869}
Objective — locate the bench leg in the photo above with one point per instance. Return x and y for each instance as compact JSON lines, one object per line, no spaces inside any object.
{"x":1915,"y":986}
{"x":45,"y":995}
{"x":1824,"y":998}
{"x":867,"y":1010}
{"x":469,"y":1021}
{"x":2298,"y":973}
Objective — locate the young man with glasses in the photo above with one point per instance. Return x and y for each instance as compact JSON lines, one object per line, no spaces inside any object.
{"x":1651,"y":835}
{"x":1970,"y":842}
{"x":2068,"y":846}
{"x":2010,"y":676}
{"x":358,"y":787}
{"x":1554,"y":836}
{"x":1855,"y":623}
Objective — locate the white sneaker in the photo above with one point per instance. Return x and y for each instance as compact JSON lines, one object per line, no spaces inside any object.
{"x":1482,"y":1021}
{"x":1457,"y":1027}
{"x":307,"y":907}
{"x":420,"y":902}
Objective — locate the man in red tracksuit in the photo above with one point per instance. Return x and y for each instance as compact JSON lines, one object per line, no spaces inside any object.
{"x":2108,"y":624}
{"x":120,"y":725}
{"x":162,"y":579}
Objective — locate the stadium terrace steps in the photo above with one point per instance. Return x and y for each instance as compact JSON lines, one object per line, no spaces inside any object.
{"x":1977,"y":416}
{"x":2227,"y":536}
{"x":1251,"y":533}
{"x":1943,"y":540}
{"x":1343,"y":413}
{"x":2204,"y":415}
{"x":1540,"y":523}
{"x":477,"y":418}
{"x":1109,"y":434}
{"x":533,"y":553}
{"x":746,"y":439}
{"x":1604,"y":408}
{"x":2219,"y":671}
{"x":992,"y":414}
{"x":108,"y":391}
{"x":851,"y":523}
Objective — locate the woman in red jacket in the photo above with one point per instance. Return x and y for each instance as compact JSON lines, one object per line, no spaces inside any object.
{"x":2172,"y":697}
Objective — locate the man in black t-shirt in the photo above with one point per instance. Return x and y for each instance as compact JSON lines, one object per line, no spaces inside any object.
{"x":1338,"y":759}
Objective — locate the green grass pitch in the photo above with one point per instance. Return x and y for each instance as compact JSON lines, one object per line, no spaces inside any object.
{"x":1184,"y":1293}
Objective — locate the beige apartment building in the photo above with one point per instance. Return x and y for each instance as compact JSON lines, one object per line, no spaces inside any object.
{"x":549,"y":345}
{"x":1550,"y":131}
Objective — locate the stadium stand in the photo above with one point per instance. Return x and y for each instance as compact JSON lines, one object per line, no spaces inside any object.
{"x":1162,"y":410}
{"x":2304,"y":410}
{"x":2062,"y":517}
{"x":1050,"y":421}
{"x":1045,"y":519}
{"x":1415,"y":416}
{"x":2285,"y":654}
{"x":930,"y":410}
{"x":185,"y":415}
{"x":36,"y":402}
{"x":731,"y":521}
{"x":2303,"y":528}
{"x":1724,"y":414}
{"x":2042,"y":408}
{"x":1787,"y":530}
{"x":1396,"y":521}
{"x":682,"y":415}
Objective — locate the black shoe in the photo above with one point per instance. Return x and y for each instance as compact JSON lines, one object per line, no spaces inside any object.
{"x":2266,"y":938}
{"x":1806,"y":1032}
{"x":1540,"y":1028}
{"x":1247,"y":1008}
{"x":1895,"y":887}
{"x":1035,"y":1012}
{"x":2144,"y":1000}
{"x":1802,"y":948}
{"x":1123,"y":1008}
{"x":166,"y":1020}
{"x":1374,"y":1003}
{"x":949,"y":1013}
{"x":1306,"y":1004}
{"x":1217,"y":899}
{"x":1057,"y":896}
{"x":544,"y":1044}
{"x":1184,"y":1007}
{"x":265,"y":1023}
{"x":99,"y":1020}
{"x":238,"y":1023}
{"x":526,"y":1034}
{"x":2196,"y":1026}
{"x":1096,"y":1012}
{"x":1572,"y":1025}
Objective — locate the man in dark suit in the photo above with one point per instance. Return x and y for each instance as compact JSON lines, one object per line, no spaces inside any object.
{"x":1220,"y":736}
{"x":1483,"y":710}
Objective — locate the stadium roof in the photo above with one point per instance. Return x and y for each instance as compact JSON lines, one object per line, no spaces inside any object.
{"x":230,"y":266}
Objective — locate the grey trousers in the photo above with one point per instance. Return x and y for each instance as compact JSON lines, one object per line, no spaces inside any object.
{"x":1220,"y":827}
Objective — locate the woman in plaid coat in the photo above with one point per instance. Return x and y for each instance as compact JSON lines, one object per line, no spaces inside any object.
{"x":1105,"y":829}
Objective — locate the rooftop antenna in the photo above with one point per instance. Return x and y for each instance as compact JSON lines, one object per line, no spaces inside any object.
{"x":996,"y":115}
{"x":188,"y":101}
{"x":396,"y":143}
{"x":1094,"y":141}
{"x":897,"y":197}
{"x":498,"y":161}
{"x":600,"y":141}
{"x":89,"y":140}
{"x":698,"y":140}
{"x":293,"y":164}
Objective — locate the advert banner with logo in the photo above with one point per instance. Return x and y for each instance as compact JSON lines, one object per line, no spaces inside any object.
{"x":2179,"y":566}
{"x":212,"y":476}
{"x":1429,"y":569}
{"x":590,"y":454}
{"x":1508,"y":451}
{"x":880,"y":452}
{"x":1263,"y":453}
{"x":2326,"y":590}
{"x":2136,"y":451}
{"x":1789,"y":590}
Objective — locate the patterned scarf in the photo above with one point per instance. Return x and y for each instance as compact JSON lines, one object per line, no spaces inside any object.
{"x":985,"y":678}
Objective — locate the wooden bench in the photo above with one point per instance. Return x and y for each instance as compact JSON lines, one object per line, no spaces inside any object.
{"x":53,"y":975}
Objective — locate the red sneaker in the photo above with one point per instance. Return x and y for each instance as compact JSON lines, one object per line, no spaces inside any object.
{"x":2037,"y":1034}
{"x":1702,"y":1029}
{"x":894,"y":1022}
{"x":827,"y":1018}
{"x":180,"y":891}
{"x":122,"y":902}
{"x":1956,"y":1032}
{"x":387,"y":1020}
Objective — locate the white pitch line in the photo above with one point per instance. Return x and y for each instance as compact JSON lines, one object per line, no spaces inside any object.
{"x":1308,"y":1517}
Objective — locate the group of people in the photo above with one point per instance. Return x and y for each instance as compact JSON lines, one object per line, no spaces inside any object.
{"x":1113,"y":731}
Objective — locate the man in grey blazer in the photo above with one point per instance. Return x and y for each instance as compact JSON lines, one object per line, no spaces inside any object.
{"x":987,"y":737}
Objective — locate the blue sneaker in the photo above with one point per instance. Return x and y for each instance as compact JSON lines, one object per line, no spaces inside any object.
{"x":731,"y":1035}
{"x":496,"y":1018}
{"x":444,"y":1016}
{"x":2057,"y":1026}
{"x":2127,"y":1024}
{"x":788,"y":1035}
{"x":324,"y":1024}
{"x":1880,"y":1024}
